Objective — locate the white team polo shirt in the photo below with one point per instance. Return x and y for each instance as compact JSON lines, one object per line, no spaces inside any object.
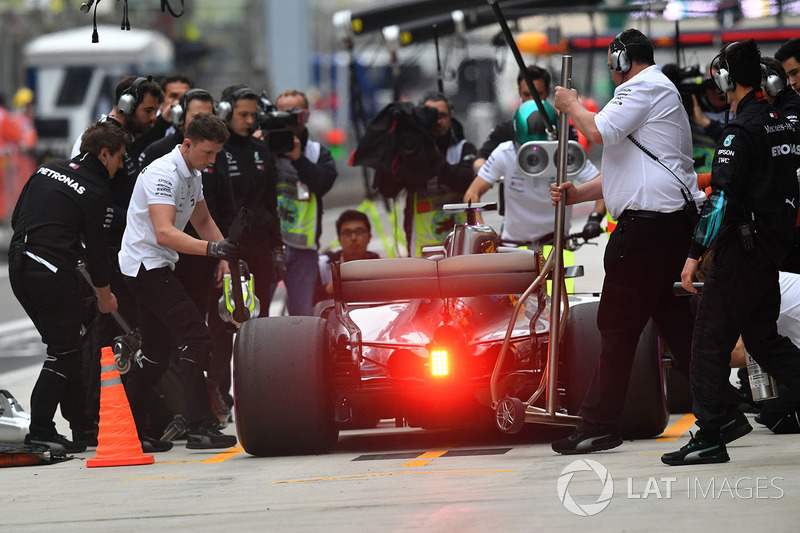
{"x":168,"y":181}
{"x":530,"y":214}
{"x":648,"y":107}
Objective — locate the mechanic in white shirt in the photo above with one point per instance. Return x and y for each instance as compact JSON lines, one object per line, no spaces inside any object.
{"x":529,"y":213}
{"x":647,"y":181}
{"x":168,"y":194}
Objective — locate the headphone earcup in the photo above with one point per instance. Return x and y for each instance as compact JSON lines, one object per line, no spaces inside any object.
{"x":224,"y":110}
{"x":724,"y":81}
{"x":126,"y":104}
{"x":620,"y":61}
{"x":774,"y":85}
{"x":177,"y":115}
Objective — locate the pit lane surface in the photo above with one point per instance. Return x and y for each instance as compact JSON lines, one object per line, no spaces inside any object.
{"x":401,"y":478}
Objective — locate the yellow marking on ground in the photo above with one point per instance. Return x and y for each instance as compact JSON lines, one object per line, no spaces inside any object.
{"x":416,"y":462}
{"x":679,"y":428}
{"x":358,"y":476}
{"x":224,"y":456}
{"x":424,"y":459}
{"x":432,"y":455}
{"x":152,"y":478}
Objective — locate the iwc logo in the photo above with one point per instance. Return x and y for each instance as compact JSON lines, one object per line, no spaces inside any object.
{"x":587,"y":509}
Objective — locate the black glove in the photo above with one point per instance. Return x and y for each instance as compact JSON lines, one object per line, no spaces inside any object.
{"x":278,"y":264}
{"x":223,"y":249}
{"x":593,"y":228}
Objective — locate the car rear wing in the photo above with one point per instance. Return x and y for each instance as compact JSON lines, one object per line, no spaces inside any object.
{"x":409,"y":278}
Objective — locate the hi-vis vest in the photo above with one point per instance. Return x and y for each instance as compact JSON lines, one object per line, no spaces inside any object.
{"x":431,"y":225}
{"x":297,"y":206}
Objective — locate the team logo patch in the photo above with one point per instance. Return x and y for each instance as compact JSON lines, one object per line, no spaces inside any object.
{"x":773,"y":114}
{"x":728,"y":140}
{"x":75,"y":166}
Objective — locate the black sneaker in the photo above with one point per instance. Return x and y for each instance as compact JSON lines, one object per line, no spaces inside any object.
{"x":208,"y":437}
{"x":583,"y":442}
{"x":151,"y":445}
{"x":733,"y":429}
{"x":57,"y":443}
{"x":697,"y":452}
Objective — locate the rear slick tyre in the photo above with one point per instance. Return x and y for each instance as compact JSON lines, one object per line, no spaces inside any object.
{"x":282,"y":386}
{"x":645,"y":414}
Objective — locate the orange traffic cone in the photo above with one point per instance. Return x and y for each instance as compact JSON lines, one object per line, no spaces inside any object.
{"x":117,"y":440}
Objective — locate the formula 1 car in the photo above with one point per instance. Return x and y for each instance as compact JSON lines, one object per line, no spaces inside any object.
{"x":431,"y":342}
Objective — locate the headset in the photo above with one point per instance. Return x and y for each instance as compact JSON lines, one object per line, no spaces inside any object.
{"x":224,"y":109}
{"x":620,"y":60}
{"x":771,"y":81}
{"x":723,"y":77}
{"x":178,"y":112}
{"x":129,"y":98}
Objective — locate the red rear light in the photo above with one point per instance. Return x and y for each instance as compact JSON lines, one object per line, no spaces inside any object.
{"x":438,"y":362}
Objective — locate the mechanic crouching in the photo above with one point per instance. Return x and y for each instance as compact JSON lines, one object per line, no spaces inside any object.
{"x":62,"y":204}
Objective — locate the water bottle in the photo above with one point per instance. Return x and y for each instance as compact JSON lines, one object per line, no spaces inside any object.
{"x":762,"y":385}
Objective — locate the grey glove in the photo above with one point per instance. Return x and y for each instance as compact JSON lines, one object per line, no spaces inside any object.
{"x":223,"y":249}
{"x":593,"y":228}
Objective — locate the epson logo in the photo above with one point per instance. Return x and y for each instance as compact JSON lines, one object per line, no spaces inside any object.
{"x":785,"y":149}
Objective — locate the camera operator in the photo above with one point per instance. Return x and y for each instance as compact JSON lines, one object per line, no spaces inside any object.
{"x":749,"y":220}
{"x":300,"y":203}
{"x":250,"y":166}
{"x":529,"y":212}
{"x":424,"y":221}
{"x":64,"y":206}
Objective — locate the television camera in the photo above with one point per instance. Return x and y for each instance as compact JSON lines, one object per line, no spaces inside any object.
{"x":691,"y":81}
{"x":277,"y":135}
